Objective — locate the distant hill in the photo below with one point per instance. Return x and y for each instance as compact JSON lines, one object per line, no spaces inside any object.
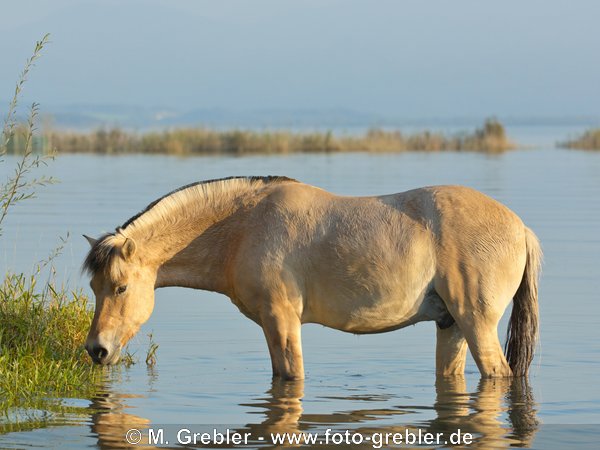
{"x":88,"y":117}
{"x":92,"y":116}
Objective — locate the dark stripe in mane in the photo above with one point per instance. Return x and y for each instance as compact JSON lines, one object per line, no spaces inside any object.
{"x":102,"y":253}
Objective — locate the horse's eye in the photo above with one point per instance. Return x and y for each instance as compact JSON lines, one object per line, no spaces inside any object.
{"x":121,"y":289}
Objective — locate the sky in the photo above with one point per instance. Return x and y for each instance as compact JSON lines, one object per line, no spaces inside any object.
{"x":393,"y":58}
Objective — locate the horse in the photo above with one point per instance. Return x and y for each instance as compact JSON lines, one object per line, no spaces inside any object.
{"x":288,"y":253}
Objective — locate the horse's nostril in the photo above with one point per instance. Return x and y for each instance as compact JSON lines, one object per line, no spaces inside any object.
{"x":98,"y":353}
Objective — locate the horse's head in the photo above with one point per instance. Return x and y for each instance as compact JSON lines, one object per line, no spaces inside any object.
{"x":124,"y":289}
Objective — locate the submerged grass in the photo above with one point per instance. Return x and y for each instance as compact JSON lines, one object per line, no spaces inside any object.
{"x":151,"y":353}
{"x":589,"y":140}
{"x":490,"y":138}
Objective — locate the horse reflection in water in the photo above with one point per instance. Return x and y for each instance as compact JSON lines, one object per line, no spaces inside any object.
{"x":480,"y":413}
{"x":110,"y":422}
{"x":500,"y":413}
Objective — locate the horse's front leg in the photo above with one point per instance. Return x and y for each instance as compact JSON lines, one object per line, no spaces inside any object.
{"x":281,"y":326}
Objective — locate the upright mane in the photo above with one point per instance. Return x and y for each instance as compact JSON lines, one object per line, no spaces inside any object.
{"x":103,"y":251}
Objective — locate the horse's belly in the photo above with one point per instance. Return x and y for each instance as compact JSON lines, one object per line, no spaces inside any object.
{"x":365,"y":314}
{"x":376,"y":291}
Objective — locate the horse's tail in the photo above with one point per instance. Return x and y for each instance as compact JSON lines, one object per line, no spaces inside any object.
{"x":523,"y":329}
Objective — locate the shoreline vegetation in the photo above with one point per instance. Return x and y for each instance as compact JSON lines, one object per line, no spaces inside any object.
{"x":41,"y":351}
{"x":43,"y":325}
{"x":491,"y":137}
{"x":588,"y":140}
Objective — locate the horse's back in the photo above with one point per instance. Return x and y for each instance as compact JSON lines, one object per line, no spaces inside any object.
{"x":352,"y":263}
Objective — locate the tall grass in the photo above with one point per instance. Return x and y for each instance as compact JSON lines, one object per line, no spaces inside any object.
{"x":41,"y":335}
{"x":589,"y":140}
{"x":491,"y":137}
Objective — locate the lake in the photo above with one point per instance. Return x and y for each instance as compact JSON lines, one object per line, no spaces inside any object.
{"x":213,"y":369}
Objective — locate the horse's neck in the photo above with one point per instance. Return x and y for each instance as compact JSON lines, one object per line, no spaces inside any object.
{"x":193,"y":252}
{"x":199,"y":265}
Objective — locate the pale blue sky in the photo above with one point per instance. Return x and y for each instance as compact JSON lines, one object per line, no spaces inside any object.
{"x":398,"y":58}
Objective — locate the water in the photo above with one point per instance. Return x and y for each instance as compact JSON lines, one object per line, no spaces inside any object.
{"x":213,"y":369}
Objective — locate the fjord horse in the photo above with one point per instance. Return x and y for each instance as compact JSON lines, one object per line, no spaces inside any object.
{"x":287,"y":253}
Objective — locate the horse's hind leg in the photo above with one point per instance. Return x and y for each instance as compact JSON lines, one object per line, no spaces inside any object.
{"x":482,"y":337}
{"x":477,"y":313}
{"x":478,"y":319}
{"x":450,"y":351}
{"x":281,"y":326}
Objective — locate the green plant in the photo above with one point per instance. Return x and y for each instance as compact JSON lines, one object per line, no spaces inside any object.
{"x":42,"y":329}
{"x":20,"y":186}
{"x":41,"y":343}
{"x":42,"y":326}
{"x":151,"y":353}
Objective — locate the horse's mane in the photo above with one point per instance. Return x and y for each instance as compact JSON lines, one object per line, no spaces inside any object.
{"x":103,"y":251}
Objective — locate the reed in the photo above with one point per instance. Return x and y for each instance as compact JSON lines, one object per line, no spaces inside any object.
{"x":588,"y":140}
{"x":490,"y":138}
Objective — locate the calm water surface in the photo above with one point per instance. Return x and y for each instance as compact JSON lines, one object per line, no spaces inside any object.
{"x":213,"y":368}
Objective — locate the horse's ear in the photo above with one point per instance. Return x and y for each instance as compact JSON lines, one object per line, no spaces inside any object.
{"x":128,"y":249}
{"x":90,"y":240}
